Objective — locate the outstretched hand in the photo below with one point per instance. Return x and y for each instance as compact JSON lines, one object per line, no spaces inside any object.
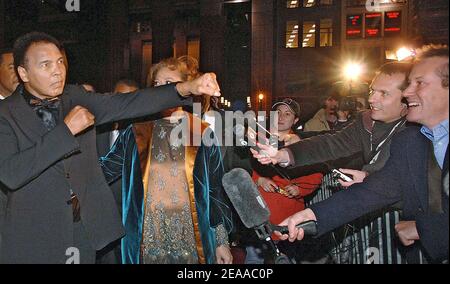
{"x":267,"y":155}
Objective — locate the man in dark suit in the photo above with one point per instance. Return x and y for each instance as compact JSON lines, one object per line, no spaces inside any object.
{"x":8,"y":83}
{"x":416,"y":173}
{"x":59,"y":207}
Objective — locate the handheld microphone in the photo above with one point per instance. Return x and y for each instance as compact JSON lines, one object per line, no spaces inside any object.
{"x":251,"y":207}
{"x":242,"y":133}
{"x":253,"y":210}
{"x":239,"y":131}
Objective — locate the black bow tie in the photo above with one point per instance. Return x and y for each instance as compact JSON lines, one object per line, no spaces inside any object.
{"x":47,"y":110}
{"x":46,"y":103}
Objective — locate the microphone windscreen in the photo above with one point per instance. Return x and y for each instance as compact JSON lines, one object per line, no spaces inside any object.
{"x":245,"y":197}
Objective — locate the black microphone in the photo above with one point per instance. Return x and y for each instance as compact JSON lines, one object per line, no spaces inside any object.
{"x":240,"y":132}
{"x":265,"y":137}
{"x":251,"y":207}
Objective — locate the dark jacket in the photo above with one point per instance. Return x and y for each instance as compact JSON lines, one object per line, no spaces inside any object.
{"x":39,"y":168}
{"x":2,"y":210}
{"x":404,"y":178}
{"x":353,"y":139}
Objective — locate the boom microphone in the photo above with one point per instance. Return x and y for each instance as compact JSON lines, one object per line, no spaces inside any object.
{"x":251,"y":207}
{"x":253,"y":210}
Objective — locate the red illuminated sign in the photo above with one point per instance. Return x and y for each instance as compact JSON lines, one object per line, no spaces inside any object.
{"x":393,"y":15}
{"x":371,"y":16}
{"x":373,"y":25}
{"x":354,"y":26}
{"x":392,"y":23}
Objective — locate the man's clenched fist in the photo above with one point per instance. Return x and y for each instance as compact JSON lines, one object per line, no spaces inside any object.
{"x":203,"y":85}
{"x":79,"y":119}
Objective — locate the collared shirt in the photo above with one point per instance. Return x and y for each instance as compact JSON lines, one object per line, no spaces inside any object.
{"x":2,"y":97}
{"x":113,"y":135}
{"x":439,"y":137}
{"x":49,"y":115}
{"x":211,"y":120}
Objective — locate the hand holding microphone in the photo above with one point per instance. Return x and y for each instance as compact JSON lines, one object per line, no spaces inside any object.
{"x":254,"y":213}
{"x":294,"y":222}
{"x":252,"y":208}
{"x":270,"y":155}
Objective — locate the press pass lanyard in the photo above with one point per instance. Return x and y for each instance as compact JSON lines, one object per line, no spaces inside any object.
{"x":378,"y":149}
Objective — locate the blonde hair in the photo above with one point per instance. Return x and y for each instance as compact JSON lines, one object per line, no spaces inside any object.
{"x":189,"y":70}
{"x":186,"y":65}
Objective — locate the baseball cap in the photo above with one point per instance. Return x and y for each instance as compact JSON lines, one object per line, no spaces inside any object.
{"x":291,"y":104}
{"x":334,"y":96}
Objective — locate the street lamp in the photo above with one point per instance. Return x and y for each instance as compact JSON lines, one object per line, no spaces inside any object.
{"x":404,"y":53}
{"x":353,"y":70}
{"x":260,"y":99}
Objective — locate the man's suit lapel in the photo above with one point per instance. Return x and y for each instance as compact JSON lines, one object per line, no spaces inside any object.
{"x":66,"y":107}
{"x":445,"y":177}
{"x":26,"y":117}
{"x":66,"y":103}
{"x":418,"y":162}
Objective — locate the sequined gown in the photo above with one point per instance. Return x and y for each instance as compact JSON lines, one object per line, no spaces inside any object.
{"x":168,"y":234}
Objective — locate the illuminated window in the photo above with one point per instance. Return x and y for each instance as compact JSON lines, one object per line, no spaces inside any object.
{"x":146,"y":62}
{"x":309,"y":34}
{"x":309,"y":3}
{"x":392,"y":23}
{"x":354,"y":26}
{"x":373,"y":25}
{"x":292,"y":35}
{"x":326,"y":32}
{"x":292,"y":4}
{"x":354,"y":3}
{"x":193,"y":48}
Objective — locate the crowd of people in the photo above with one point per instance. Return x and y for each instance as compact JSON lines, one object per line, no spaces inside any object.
{"x":101,"y":178}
